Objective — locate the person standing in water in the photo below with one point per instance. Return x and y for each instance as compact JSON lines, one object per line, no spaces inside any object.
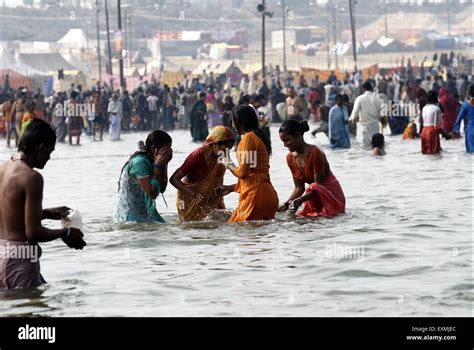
{"x":115,"y":117}
{"x":21,"y":211}
{"x":198,"y":119}
{"x":432,"y":123}
{"x":258,"y":199}
{"x":467,"y":114}
{"x":200,"y":174}
{"x":338,"y":125}
{"x":9,"y":119}
{"x":378,"y":145}
{"x":144,"y":176}
{"x":74,"y":119}
{"x":29,"y":116}
{"x":308,"y":164}
{"x":368,"y":108}
{"x":18,"y":110}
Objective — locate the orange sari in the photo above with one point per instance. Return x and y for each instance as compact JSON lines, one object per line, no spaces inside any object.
{"x":409,"y":133}
{"x":258,"y":199}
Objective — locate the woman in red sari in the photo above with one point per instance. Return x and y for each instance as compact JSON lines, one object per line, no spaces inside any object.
{"x":308,"y":164}
{"x":450,"y":108}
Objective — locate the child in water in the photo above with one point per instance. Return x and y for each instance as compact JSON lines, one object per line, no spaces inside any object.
{"x":378,"y":143}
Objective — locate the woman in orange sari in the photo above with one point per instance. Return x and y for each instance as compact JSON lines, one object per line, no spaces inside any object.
{"x":308,"y":164}
{"x":257,"y":197}
{"x":201,"y":173}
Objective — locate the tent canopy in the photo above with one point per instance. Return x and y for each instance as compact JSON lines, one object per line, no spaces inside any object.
{"x":9,"y":61}
{"x":48,"y":63}
{"x":74,"y":37}
{"x":218,"y":67}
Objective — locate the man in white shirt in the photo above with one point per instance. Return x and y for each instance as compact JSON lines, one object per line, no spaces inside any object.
{"x":426,"y":84}
{"x":153,"y":120}
{"x":367,"y":108}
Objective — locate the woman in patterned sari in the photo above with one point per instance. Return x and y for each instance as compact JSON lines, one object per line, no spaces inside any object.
{"x":201,"y":173}
{"x":144,"y":176}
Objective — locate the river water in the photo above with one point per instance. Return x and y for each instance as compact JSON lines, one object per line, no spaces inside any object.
{"x":404,"y":247}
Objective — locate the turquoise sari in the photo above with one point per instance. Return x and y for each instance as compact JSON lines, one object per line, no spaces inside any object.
{"x":134,"y":204}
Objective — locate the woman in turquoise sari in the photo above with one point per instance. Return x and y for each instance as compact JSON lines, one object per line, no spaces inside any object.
{"x":143,"y":178}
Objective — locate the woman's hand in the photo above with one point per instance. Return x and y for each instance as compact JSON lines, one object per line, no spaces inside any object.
{"x":223,"y":190}
{"x":283,"y":208}
{"x":455,"y":135}
{"x":294,"y":205}
{"x":198,"y":197}
{"x":163,"y":156}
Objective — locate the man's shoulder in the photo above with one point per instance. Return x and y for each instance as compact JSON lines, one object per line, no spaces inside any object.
{"x":21,"y":175}
{"x":31,"y":176}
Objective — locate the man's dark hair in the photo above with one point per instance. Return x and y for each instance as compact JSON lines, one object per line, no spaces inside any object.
{"x":368,"y":86}
{"x":257,"y":98}
{"x":432,"y":97}
{"x":36,"y":133}
{"x":470,"y":90}
{"x":378,"y":141}
{"x":340,"y":97}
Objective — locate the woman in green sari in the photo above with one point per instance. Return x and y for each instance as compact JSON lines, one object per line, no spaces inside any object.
{"x":144,"y":176}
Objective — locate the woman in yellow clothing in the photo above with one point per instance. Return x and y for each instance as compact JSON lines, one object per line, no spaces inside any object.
{"x":258,"y":199}
{"x":201,"y":173}
{"x":28,"y":116}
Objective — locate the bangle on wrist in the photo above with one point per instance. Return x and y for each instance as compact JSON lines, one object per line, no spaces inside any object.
{"x":158,"y":166}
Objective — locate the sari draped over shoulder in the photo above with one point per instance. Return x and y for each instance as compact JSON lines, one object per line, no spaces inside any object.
{"x":134,"y":204}
{"x":207,"y":179}
{"x":258,"y":199}
{"x":330,"y":199}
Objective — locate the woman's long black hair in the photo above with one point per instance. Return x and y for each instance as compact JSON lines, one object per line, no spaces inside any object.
{"x":156,"y":138}
{"x":244,"y":118}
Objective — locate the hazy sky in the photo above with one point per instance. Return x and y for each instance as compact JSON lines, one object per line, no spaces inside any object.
{"x":11,"y":2}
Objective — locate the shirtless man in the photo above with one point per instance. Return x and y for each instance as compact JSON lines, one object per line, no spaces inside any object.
{"x":18,"y":110}
{"x":9,"y":119}
{"x":295,"y":105}
{"x":21,"y":212}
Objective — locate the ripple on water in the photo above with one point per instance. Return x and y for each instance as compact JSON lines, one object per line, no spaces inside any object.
{"x":366,"y":273}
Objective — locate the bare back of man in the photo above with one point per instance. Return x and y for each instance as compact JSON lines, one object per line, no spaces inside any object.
{"x":21,"y":211}
{"x":14,"y":176}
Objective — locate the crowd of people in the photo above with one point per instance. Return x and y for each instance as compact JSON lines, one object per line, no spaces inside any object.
{"x":198,"y":104}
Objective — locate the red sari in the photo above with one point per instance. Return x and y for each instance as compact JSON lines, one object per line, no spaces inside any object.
{"x":330,"y":199}
{"x":450,"y":109}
